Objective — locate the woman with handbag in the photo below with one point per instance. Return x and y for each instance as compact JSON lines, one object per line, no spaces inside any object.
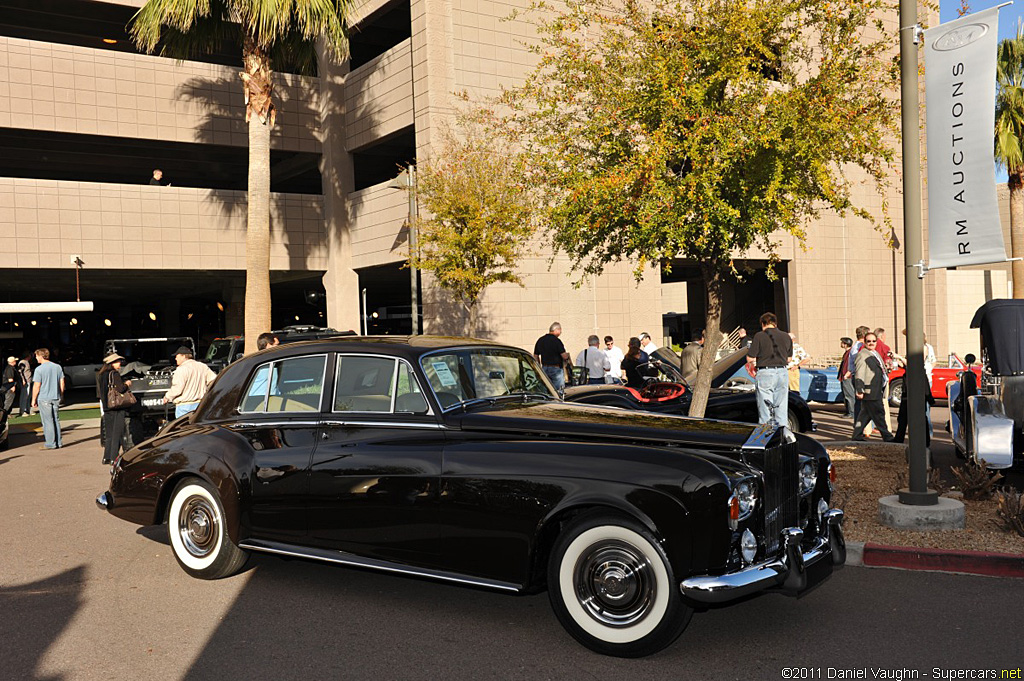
{"x":117,"y":397}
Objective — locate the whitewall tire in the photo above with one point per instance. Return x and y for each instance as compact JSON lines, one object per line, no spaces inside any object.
{"x":197,"y":528}
{"x":613,"y":589}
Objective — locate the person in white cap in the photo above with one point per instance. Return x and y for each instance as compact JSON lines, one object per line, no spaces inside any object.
{"x":189,"y":383}
{"x":113,"y":415}
{"x":647,"y":344}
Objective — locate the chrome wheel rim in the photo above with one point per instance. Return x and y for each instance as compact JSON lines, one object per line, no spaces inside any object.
{"x":198,"y":526}
{"x":615,"y":584}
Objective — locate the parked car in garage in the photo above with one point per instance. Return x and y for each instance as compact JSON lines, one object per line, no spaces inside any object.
{"x":670,"y":394}
{"x":455,"y":460}
{"x":224,"y":351}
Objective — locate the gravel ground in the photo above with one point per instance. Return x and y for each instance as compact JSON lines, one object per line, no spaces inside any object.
{"x":868,"y":472}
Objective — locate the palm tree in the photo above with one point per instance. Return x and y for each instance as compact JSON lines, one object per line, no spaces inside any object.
{"x":1009,"y":141}
{"x":271,"y":32}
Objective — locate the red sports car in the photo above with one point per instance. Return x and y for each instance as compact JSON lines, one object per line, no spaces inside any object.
{"x":940,"y":377}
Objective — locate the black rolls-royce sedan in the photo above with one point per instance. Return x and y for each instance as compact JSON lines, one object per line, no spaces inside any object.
{"x":454,"y":459}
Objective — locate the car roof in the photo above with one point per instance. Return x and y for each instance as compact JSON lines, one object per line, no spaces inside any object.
{"x":409,"y":347}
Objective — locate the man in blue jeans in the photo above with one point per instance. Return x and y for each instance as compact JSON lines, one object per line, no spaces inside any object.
{"x":550,"y":352}
{"x":767,"y":358}
{"x":47,"y":387}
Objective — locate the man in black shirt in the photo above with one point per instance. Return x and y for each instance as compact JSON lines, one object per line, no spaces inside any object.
{"x":550,"y":352}
{"x":767,"y":358}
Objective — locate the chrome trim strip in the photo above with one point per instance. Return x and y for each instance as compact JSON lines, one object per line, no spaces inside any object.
{"x":342,"y":558}
{"x":384,"y":424}
{"x":788,"y":571}
{"x":271,"y":424}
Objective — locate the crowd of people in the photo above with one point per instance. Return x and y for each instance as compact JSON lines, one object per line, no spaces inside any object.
{"x":42,"y":388}
{"x":864,"y":375}
{"x":773,"y":358}
{"x":596,"y":364}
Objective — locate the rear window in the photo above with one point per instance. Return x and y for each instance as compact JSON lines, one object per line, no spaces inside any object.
{"x":289,"y":385}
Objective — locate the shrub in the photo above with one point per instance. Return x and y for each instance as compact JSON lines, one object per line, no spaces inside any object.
{"x":976,"y":481}
{"x":1011,"y":510}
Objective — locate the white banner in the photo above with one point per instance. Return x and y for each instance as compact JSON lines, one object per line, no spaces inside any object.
{"x":960,"y":91}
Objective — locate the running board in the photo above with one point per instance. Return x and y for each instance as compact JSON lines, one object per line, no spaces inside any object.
{"x":342,"y":558}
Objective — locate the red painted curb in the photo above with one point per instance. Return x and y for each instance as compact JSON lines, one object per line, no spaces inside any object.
{"x":972,"y":562}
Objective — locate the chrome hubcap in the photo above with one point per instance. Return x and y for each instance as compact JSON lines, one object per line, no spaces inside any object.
{"x":615,"y":583}
{"x":198,"y":526}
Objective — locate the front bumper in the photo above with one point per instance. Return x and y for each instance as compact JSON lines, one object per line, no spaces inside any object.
{"x":793,"y":571}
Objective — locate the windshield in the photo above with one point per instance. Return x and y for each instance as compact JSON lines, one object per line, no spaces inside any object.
{"x":461,"y":375}
{"x":219,"y":350}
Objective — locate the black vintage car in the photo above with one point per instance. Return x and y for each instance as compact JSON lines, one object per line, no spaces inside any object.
{"x":670,"y":394}
{"x":454,"y":459}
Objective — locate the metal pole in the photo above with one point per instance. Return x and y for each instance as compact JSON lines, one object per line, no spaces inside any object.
{"x":414,"y":278}
{"x":365,"y":313}
{"x":918,"y":494}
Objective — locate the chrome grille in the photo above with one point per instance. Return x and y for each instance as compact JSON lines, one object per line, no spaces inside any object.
{"x":781,"y":492}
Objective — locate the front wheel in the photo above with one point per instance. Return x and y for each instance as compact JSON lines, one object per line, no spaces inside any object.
{"x":198,"y":531}
{"x":896,"y":392}
{"x":612,"y":587}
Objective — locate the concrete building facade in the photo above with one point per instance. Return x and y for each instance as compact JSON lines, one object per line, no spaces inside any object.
{"x":97,"y":117}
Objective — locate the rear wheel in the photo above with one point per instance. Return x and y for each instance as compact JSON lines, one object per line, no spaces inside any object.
{"x":896,"y":392}
{"x":198,"y":531}
{"x":612,"y":587}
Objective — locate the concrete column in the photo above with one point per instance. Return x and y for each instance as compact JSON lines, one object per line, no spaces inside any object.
{"x":340,"y":281}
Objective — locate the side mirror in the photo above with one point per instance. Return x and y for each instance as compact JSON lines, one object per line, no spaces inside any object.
{"x":970,"y":359}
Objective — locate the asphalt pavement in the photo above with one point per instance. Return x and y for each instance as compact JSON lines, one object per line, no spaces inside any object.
{"x":84,"y":595}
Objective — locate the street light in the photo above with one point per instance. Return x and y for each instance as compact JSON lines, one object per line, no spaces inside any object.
{"x":407,"y":180}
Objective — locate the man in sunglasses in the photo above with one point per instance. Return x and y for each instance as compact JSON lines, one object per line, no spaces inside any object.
{"x":869,"y":381}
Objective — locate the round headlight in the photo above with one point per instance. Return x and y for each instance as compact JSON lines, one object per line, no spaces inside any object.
{"x":808,"y":477}
{"x":748,"y":546}
{"x":746,"y":495}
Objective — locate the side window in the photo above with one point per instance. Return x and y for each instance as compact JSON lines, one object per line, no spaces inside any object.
{"x":288,"y":385}
{"x":364,"y":384}
{"x":256,"y":393}
{"x":448,"y":378}
{"x":409,"y":399}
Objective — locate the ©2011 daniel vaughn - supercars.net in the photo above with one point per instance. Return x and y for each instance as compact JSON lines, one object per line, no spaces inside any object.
{"x":454,"y":459}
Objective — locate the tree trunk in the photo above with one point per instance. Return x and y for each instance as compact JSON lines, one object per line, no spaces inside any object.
{"x":1017,"y":232}
{"x":712,"y":338}
{"x":472,"y":314}
{"x":260,"y":117}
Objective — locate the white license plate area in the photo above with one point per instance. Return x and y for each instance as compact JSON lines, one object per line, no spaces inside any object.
{"x":155,"y":402}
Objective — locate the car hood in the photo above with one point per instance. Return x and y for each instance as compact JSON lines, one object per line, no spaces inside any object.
{"x":602,"y":423}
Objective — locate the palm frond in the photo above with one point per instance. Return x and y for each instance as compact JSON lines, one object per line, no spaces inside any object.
{"x":1009,"y":124}
{"x":290,"y":28}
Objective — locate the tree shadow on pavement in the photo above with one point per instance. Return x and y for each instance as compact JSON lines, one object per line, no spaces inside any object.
{"x":33,"y":616}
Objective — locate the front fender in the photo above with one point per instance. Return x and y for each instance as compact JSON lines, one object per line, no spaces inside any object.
{"x":991,"y":430}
